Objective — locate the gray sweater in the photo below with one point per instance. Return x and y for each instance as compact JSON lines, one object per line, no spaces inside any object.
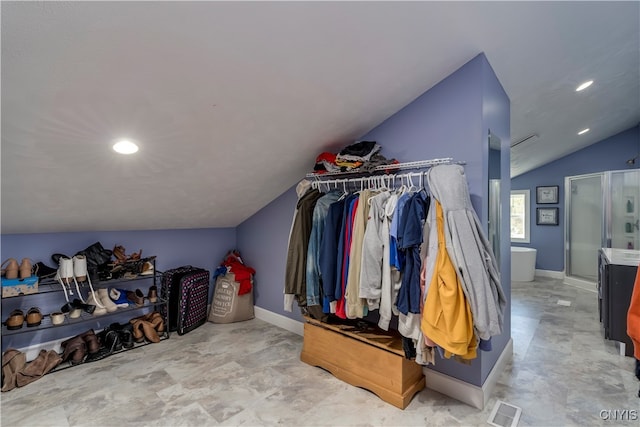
{"x":469,"y":249}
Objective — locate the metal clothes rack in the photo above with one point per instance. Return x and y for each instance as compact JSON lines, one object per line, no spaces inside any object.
{"x":368,"y":179}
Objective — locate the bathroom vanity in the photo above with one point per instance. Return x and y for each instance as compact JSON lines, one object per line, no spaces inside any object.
{"x":616,"y":273}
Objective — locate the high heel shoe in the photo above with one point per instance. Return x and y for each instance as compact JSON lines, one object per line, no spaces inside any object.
{"x":11,"y":270}
{"x":26,"y":268}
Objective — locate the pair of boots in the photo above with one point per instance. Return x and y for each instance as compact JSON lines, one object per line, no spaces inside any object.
{"x":76,"y":349}
{"x":148,"y":327}
{"x":16,"y":372}
{"x":74,"y":270}
{"x":103,"y":302}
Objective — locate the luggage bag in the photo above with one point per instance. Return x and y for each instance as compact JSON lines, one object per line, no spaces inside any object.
{"x":187,"y":289}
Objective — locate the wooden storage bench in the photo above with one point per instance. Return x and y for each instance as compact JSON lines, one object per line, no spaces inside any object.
{"x":372,"y":359}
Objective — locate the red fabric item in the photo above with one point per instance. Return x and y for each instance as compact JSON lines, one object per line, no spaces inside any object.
{"x":633,"y":316}
{"x":329,"y":157}
{"x":242,"y":272}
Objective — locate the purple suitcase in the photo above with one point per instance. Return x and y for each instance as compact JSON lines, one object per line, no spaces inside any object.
{"x":187,"y":289}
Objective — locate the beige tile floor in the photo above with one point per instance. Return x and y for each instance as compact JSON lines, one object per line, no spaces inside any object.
{"x":562,"y":373}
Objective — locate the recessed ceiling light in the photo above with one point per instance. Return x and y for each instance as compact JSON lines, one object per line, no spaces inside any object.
{"x":583,"y":131}
{"x":124,"y":146}
{"x":584,"y":85}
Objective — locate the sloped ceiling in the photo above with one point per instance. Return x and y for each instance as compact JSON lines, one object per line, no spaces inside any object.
{"x":230,"y":102}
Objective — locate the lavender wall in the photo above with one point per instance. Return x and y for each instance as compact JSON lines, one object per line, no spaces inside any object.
{"x":263,"y":241}
{"x":199,"y":247}
{"x":447,"y":121}
{"x":496,"y":117}
{"x":608,"y":154}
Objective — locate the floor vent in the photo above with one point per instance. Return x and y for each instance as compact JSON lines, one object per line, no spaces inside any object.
{"x":504,"y":415}
{"x":564,"y":302}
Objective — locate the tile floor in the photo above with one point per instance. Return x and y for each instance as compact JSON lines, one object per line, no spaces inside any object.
{"x":562,"y":373}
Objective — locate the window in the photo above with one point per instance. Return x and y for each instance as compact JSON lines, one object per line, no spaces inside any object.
{"x":520,"y":216}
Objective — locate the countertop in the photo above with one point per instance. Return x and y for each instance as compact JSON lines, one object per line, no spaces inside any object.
{"x":622,"y":256}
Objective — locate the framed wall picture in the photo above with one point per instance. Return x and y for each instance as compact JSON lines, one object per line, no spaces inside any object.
{"x":547,"y":216}
{"x":547,"y":195}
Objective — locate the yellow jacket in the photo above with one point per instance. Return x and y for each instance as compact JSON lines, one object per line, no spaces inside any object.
{"x":446,"y":318}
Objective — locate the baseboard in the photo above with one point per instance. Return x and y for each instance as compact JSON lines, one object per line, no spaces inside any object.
{"x":581,"y":283}
{"x":470,"y":394}
{"x":279,"y":320}
{"x":550,"y":273}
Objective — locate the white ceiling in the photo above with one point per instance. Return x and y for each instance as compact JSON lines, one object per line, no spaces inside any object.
{"x":232,"y":101}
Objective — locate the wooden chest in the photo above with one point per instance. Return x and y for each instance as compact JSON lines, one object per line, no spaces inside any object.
{"x":373,"y":360}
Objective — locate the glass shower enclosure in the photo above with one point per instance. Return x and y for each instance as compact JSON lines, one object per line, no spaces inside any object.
{"x":601,"y":211}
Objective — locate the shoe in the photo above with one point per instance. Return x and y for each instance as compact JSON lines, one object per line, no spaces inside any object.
{"x":57,"y":318}
{"x":91,"y":340}
{"x":75,"y":350}
{"x":125,"y":333}
{"x":118,"y":296}
{"x":75,"y":308}
{"x":136,"y":297}
{"x":80,"y":268}
{"x":13,"y":361}
{"x":11,"y":270}
{"x":34,"y":317}
{"x":65,"y":276}
{"x":147,"y":269}
{"x":77,"y":304}
{"x":15,"y":320}
{"x":25,"y":268}
{"x":138,"y":334}
{"x":40,"y":366}
{"x":153,"y":294}
{"x":157,"y":321}
{"x":98,"y":311}
{"x":107,"y":302}
{"x":119,"y":253}
{"x":44,"y":271}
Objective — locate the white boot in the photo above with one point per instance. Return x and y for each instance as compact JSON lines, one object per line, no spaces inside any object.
{"x":80,"y":273}
{"x":99,"y":311}
{"x":64,"y":276}
{"x":107,"y":302}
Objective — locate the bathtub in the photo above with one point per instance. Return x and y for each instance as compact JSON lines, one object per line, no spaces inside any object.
{"x":523,"y":264}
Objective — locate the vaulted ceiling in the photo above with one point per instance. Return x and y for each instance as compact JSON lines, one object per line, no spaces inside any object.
{"x":230,"y":102}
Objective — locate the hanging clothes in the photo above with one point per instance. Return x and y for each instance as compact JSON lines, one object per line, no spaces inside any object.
{"x":327,"y":257}
{"x":469,"y":250}
{"x":410,"y":231}
{"x":295,"y":273}
{"x":346,"y":252}
{"x":356,"y":304}
{"x":447,"y":318}
{"x":313,"y":276}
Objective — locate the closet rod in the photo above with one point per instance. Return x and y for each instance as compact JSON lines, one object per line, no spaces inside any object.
{"x":393,"y":167}
{"x":371,"y":181}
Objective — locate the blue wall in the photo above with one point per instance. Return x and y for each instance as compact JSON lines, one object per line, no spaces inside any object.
{"x":449,"y":120}
{"x":608,"y":154}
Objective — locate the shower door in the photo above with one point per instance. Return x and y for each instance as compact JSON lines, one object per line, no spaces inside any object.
{"x":623,"y":217}
{"x":584,"y":210}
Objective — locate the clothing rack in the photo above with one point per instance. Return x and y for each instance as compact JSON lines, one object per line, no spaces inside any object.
{"x":387,"y":180}
{"x":419,"y":164}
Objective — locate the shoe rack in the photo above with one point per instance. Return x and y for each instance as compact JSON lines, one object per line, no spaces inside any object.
{"x":50,"y":298}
